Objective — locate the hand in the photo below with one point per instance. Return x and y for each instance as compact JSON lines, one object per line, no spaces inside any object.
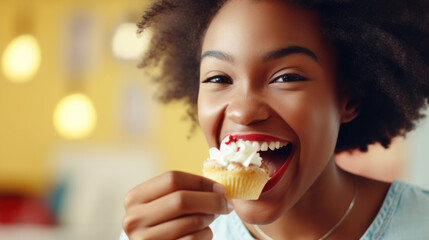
{"x":174,"y":205}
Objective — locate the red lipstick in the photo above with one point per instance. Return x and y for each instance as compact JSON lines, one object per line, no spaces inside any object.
{"x":279,"y":174}
{"x":253,"y":137}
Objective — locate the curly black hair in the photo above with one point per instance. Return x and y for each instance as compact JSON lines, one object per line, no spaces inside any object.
{"x":382,"y":47}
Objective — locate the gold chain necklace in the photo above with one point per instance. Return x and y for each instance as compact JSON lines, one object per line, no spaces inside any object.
{"x":352,"y":203}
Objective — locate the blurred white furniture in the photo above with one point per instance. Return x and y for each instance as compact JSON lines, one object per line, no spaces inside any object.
{"x":97,"y":176}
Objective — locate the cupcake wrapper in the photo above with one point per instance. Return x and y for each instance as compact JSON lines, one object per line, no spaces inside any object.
{"x":241,"y":184}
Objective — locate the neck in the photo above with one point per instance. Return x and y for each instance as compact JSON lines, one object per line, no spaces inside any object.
{"x":317,"y":212}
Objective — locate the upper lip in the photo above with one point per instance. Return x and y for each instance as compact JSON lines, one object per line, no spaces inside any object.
{"x":256,"y":137}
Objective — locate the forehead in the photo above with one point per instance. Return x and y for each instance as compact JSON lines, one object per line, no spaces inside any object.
{"x":263,"y":26}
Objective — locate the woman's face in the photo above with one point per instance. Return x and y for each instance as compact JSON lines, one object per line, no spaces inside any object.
{"x":267,"y":73}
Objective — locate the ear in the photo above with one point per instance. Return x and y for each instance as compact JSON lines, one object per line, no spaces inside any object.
{"x":350,"y":105}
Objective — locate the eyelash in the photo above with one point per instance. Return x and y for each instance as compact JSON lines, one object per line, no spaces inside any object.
{"x":292,"y":77}
{"x":218,"y":79}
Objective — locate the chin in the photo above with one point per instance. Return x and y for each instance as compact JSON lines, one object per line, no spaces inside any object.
{"x":257,"y":211}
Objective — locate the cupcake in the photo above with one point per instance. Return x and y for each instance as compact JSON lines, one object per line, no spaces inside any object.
{"x":238,"y":166}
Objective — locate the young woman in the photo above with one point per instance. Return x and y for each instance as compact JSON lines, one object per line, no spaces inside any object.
{"x":324,"y":76}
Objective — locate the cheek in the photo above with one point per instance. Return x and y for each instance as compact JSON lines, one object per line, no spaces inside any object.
{"x":210,"y":113}
{"x":319,"y":137}
{"x":315,"y":118}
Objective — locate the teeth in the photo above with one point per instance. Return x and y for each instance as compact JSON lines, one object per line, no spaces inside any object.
{"x":271,"y":145}
{"x":264,"y":146}
{"x":256,"y":145}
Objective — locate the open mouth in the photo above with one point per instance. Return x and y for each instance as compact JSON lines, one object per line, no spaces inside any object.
{"x":275,"y":154}
{"x":277,"y":161}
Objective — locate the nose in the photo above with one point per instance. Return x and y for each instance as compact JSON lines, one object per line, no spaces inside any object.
{"x":247,"y":109}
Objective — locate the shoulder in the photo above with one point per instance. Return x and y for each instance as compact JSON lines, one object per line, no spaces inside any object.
{"x":410,"y":205}
{"x":229,"y":227}
{"x":413,"y":200}
{"x":404,"y":214}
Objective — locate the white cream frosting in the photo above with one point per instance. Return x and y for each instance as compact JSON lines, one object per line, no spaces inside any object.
{"x":243,"y":152}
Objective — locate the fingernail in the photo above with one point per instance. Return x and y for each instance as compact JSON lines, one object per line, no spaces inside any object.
{"x":217,"y":188}
{"x":229,"y":206}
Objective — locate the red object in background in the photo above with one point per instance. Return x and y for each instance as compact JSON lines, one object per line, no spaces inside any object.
{"x":16,"y":209}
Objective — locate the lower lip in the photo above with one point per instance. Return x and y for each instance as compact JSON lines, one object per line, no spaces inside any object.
{"x":278,"y":175}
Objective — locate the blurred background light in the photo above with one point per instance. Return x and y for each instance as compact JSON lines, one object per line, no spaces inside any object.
{"x":75,"y":116}
{"x":126,"y":44}
{"x":21,"y":58}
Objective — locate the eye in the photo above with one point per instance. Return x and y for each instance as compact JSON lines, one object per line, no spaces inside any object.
{"x":218,"y":79}
{"x":293,"y":77}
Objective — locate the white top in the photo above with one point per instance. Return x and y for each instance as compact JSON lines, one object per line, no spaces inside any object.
{"x":404,"y":215}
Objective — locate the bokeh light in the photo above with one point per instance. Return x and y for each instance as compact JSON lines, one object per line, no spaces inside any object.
{"x":126,"y":44}
{"x":21,"y":58}
{"x":75,"y":116}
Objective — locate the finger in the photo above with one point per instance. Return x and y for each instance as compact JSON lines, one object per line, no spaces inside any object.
{"x":186,"y":202}
{"x":175,"y":205}
{"x":205,"y":234}
{"x":167,"y":183}
{"x":179,"y":227}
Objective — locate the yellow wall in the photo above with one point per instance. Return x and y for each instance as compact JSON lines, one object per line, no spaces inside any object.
{"x":183,"y":154}
{"x":27,"y":135}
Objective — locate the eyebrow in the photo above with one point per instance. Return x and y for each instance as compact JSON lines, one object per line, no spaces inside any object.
{"x":279,"y":53}
{"x":276,"y":54}
{"x":219,"y":55}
